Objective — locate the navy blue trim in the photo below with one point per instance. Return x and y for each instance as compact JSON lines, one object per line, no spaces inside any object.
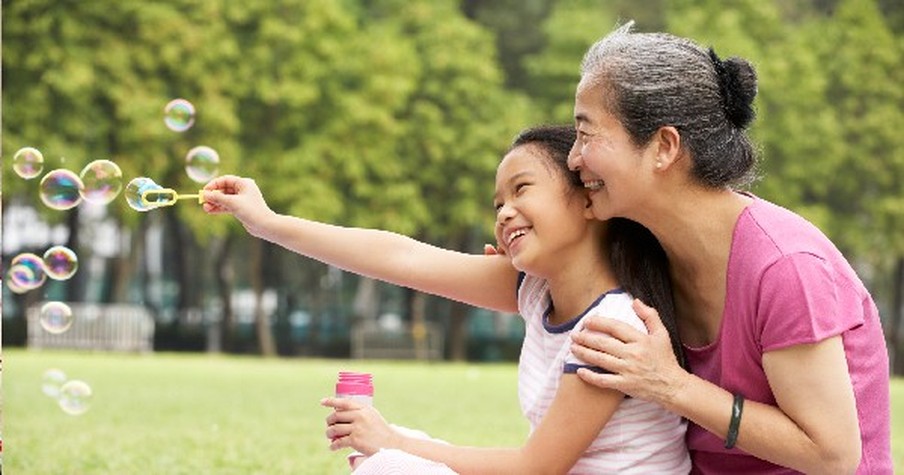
{"x":571,"y":368}
{"x":570,"y":324}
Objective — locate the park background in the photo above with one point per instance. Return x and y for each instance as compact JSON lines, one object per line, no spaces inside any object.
{"x":377,"y":113}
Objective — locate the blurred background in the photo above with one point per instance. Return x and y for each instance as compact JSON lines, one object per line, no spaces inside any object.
{"x":377,"y":113}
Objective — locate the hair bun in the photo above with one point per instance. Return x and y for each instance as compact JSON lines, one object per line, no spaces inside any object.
{"x":737,"y":84}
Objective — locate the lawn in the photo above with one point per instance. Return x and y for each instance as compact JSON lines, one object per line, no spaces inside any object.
{"x":199,"y":414}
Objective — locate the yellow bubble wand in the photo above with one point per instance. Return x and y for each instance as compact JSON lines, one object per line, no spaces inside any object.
{"x":160,"y":197}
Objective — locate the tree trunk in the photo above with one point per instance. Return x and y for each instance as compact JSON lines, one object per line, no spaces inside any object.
{"x":419,"y":324}
{"x":458,"y":332}
{"x":367,"y":303}
{"x":265,"y":340}
{"x":225,"y":277}
{"x":126,"y":261}
{"x":75,"y":284}
{"x":893,"y":332}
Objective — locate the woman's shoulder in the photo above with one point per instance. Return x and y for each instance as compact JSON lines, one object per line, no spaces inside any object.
{"x":767,"y":229}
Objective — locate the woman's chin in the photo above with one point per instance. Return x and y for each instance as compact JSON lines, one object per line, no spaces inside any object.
{"x":601,"y":210}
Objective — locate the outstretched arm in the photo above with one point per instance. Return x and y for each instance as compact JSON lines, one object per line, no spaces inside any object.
{"x":577,"y":415}
{"x":479,"y":280}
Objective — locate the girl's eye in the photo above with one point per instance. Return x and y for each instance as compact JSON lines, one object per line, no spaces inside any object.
{"x":520,"y":187}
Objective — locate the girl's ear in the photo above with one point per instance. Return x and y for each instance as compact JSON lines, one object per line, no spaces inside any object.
{"x":667,"y":147}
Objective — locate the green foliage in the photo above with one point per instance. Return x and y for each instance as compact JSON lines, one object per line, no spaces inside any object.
{"x":829,"y":109}
{"x":555,"y":71}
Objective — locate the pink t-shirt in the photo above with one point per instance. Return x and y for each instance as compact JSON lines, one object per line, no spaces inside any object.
{"x":787,"y":285}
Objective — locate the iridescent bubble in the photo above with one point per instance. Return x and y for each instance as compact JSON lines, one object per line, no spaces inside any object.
{"x":56,"y":317}
{"x":134,"y":190}
{"x":101,"y":180}
{"x":53,"y":380}
{"x":202,"y":164}
{"x":27,"y":271}
{"x":16,"y":275}
{"x":28,"y":162}
{"x":60,"y":262}
{"x":75,"y":397}
{"x":61,"y":189}
{"x":179,"y":115}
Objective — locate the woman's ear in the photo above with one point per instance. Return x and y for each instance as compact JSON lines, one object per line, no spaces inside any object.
{"x":667,"y":147}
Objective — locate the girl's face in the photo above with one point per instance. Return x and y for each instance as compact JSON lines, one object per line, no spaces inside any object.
{"x":610,"y":165}
{"x":539,"y":215}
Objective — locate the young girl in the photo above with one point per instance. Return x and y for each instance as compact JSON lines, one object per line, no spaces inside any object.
{"x":559,"y":264}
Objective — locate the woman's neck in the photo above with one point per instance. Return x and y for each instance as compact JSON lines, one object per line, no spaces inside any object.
{"x":695,"y":227}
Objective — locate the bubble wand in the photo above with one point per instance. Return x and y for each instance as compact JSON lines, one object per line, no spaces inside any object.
{"x":143,"y":194}
{"x":158,"y":198}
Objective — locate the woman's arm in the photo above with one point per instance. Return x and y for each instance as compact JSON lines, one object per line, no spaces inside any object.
{"x":814,"y":429}
{"x":480,"y":280}
{"x":577,"y":415}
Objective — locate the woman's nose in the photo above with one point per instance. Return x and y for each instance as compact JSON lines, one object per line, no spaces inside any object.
{"x":574,"y":159}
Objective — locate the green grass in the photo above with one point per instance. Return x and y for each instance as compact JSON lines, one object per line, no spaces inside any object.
{"x":198,"y":414}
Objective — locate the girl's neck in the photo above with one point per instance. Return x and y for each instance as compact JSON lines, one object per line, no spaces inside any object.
{"x":577,"y":285}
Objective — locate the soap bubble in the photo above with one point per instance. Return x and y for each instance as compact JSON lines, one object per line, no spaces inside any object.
{"x":27,"y":271}
{"x":56,"y":317}
{"x":16,"y":275}
{"x":179,"y":115}
{"x":101,"y":180}
{"x":134,"y":190}
{"x":61,"y":189}
{"x":60,"y":262}
{"x":202,"y":164}
{"x":53,"y":380}
{"x":75,"y":397}
{"x":28,"y":162}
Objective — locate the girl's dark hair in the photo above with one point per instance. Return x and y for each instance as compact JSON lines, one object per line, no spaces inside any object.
{"x":638,"y":260}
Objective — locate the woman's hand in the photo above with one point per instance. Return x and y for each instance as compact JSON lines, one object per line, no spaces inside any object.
{"x":240,"y":197}
{"x":358,"y":426}
{"x":641,"y":365}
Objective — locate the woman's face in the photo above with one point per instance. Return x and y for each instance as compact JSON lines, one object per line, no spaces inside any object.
{"x":610,"y":165}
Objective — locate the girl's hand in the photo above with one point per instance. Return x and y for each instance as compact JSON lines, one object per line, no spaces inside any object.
{"x":240,"y":197}
{"x":641,"y":365}
{"x":358,"y":426}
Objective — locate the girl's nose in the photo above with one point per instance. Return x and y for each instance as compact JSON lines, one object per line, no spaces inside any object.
{"x":505,"y":213}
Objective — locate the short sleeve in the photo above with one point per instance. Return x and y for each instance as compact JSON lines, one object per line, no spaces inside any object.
{"x":800,"y":302}
{"x":617,"y":307}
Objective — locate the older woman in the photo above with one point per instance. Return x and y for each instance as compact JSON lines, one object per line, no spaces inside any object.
{"x":788,"y":366}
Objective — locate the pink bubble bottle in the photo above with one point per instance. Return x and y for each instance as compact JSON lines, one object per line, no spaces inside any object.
{"x":356,"y":386}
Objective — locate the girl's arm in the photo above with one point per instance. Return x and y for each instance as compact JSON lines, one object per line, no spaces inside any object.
{"x":577,"y":415}
{"x":479,"y":280}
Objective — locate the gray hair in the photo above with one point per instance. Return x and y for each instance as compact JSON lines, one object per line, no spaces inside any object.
{"x":652,"y":80}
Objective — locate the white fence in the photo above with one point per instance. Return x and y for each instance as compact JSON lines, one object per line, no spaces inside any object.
{"x":424,"y":342}
{"x":109,"y":327}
